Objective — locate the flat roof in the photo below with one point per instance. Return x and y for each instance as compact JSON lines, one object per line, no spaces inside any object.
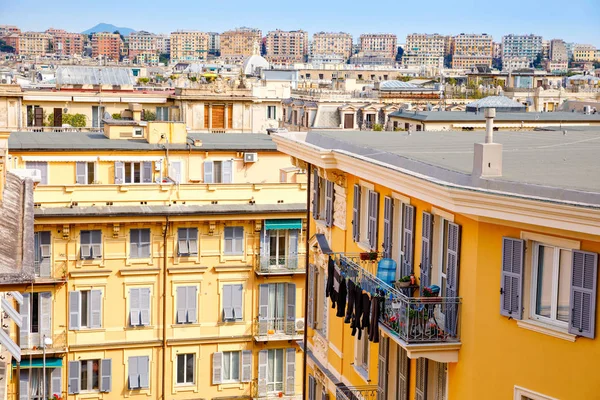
{"x":455,"y":116}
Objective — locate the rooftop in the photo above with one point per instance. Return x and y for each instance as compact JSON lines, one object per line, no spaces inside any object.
{"x":453,"y":116}
{"x":94,"y":76}
{"x":500,"y":103}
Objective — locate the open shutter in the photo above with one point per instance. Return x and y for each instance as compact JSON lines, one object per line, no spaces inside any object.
{"x":74,"y":373}
{"x":511,"y":290}
{"x":133,"y":373}
{"x":192,"y":304}
{"x":181,"y":304}
{"x":427,"y":229}
{"x":583,"y":294}
{"x":134,"y":304}
{"x":263,"y":308}
{"x":408,"y":239}
{"x":227,"y":171}
{"x":262,"y":372}
{"x":23,"y":384}
{"x":237,"y":297}
{"x":388,"y":210}
{"x":45,"y":254}
{"x":119,"y":172}
{"x":403,"y":377}
{"x":328,"y":203}
{"x":227,"y":302}
{"x":145,"y":306}
{"x":452,"y":276}
{"x":193,"y":241}
{"x":25,"y":309}
{"x":290,"y":371}
{"x":105,"y":375}
{"x":74,"y":310}
{"x":356,"y":214}
{"x":208,"y":172}
{"x":217,"y":368}
{"x":56,"y":385}
{"x":373,"y":219}
{"x":85,"y":247}
{"x":80,"y":171}
{"x":45,"y":308}
{"x":247,"y":366}
{"x":147,"y":172}
{"x":144,"y":371}
{"x":315,"y":193}
{"x":421,"y":384}
{"x":290,"y":328}
{"x":95,"y":308}
{"x":292,"y":261}
{"x":382,"y":368}
{"x":265,"y":244}
{"x":310,"y":312}
{"x":96,"y":237}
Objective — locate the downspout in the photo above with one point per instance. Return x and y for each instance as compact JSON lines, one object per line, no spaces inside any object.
{"x":164,"y":316}
{"x":305,"y":360}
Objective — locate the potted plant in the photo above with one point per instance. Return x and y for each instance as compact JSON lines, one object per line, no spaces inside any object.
{"x":430,"y":292}
{"x":368,"y":256}
{"x":403,"y":282}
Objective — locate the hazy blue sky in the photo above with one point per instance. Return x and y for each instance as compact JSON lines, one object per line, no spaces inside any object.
{"x":573,"y":21}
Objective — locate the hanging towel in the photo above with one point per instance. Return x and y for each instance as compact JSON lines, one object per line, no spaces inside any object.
{"x":366,"y":307}
{"x":375,"y":310}
{"x":341,"y":301}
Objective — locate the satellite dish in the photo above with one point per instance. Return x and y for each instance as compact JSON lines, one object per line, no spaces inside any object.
{"x":107,"y":115}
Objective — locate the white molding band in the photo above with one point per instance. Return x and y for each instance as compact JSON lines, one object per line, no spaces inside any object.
{"x":551,"y":240}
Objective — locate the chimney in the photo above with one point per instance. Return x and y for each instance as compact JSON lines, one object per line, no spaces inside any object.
{"x":487,"y":157}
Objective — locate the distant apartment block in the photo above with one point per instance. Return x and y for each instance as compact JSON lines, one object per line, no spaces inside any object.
{"x":558,"y":50}
{"x":163,"y":44}
{"x":424,"y":49}
{"x":35,"y":44}
{"x":379,"y":44}
{"x":214,"y":43}
{"x":9,"y":29}
{"x":106,"y":45}
{"x":470,"y":50}
{"x":585,"y":53}
{"x":12,"y":39}
{"x":518,"y":46}
{"x":515,"y":63}
{"x":286,"y":47}
{"x":143,"y":47}
{"x":66,"y":43}
{"x":331,"y":45}
{"x":545,"y":49}
{"x":496,"y":49}
{"x":240,"y":42}
{"x":189,"y":46}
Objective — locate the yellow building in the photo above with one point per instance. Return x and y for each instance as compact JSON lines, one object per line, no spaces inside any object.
{"x":240,"y":42}
{"x":508,"y":232}
{"x":168,"y":265}
{"x":189,"y":46}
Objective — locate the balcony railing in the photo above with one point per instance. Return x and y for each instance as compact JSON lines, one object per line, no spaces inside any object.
{"x":35,"y":345}
{"x":281,"y":265}
{"x":358,"y":393}
{"x":276,"y":329}
{"x":412,"y":319}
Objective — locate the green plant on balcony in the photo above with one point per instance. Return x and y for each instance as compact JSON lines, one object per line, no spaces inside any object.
{"x":377,"y":127}
{"x":368,"y":256}
{"x":403,"y":282}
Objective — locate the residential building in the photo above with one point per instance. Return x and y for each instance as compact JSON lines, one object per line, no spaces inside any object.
{"x":490,"y":243}
{"x":585,"y":52}
{"x":518,"y":46}
{"x":107,"y":46}
{"x":286,"y":47}
{"x":66,"y":43}
{"x":497,"y":50}
{"x":13,"y":40}
{"x":214,"y":43}
{"x":470,"y":50}
{"x":545,"y":49}
{"x":240,"y":43}
{"x":379,"y":44}
{"x":327,"y":44}
{"x":189,"y":46}
{"x":143,"y":47}
{"x":558,"y":50}
{"x":163,"y":44}
{"x":35,"y":44}
{"x":9,"y":29}
{"x":515,"y":63}
{"x":424,"y":49}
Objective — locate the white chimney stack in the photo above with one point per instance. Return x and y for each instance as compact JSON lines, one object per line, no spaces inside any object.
{"x":490,"y":114}
{"x":487,"y":157}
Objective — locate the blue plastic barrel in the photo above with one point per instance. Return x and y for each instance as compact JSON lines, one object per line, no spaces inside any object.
{"x":386,"y":270}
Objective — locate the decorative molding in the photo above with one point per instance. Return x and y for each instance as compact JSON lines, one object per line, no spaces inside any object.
{"x":139,"y":271}
{"x":211,"y":227}
{"x":89,"y":274}
{"x":551,"y":240}
{"x":339,"y":207}
{"x":116,"y":229}
{"x":546,"y":330}
{"x":257,"y":225}
{"x":65,"y":231}
{"x":337,"y":177}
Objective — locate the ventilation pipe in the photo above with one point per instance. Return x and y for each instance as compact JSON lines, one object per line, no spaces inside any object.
{"x":490,"y":114}
{"x":487,"y":157}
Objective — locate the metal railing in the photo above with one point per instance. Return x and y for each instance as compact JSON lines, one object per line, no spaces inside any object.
{"x":275,"y":327}
{"x":283,"y":264}
{"x":358,"y":393}
{"x":60,"y":129}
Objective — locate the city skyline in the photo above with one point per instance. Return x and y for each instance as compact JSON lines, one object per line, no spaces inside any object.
{"x":514,"y":17}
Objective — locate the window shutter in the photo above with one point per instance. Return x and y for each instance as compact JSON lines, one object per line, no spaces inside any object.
{"x":181,"y":304}
{"x":134,"y":305}
{"x":74,"y":373}
{"x":45,"y":254}
{"x":147,"y":172}
{"x":311,"y":387}
{"x":315,"y":193}
{"x":144,"y":248}
{"x":290,"y":329}
{"x":134,"y":238}
{"x":192,"y":304}
{"x":292,"y":260}
{"x":403,"y":374}
{"x":290,"y":371}
{"x":95,"y":308}
{"x":144,"y":371}
{"x":325,"y":320}
{"x":80,"y":171}
{"x":56,"y":385}
{"x":452,"y":276}
{"x":238,"y":240}
{"x":263,"y":308}
{"x":310,"y":312}
{"x":217,"y":368}
{"x":134,"y":375}
{"x":182,"y":236}
{"x":105,"y":375}
{"x":229,"y":240}
{"x":408,"y":240}
{"x":227,"y":302}
{"x":373,"y":219}
{"x":227,"y":171}
{"x":265,"y":244}
{"x":247,"y":366}
{"x":193,"y":241}
{"x":328,"y":203}
{"x":441,"y":380}
{"x":388,"y":204}
{"x":74,"y":310}
{"x":356,"y":214}
{"x":43,"y":167}
{"x":421,"y":384}
{"x":237,"y":298}
{"x":382,"y":368}
{"x":263,"y":355}
{"x":85,"y":247}
{"x":23,"y":385}
{"x":45,"y":299}
{"x":583,"y":293}
{"x":426,"y":249}
{"x":119,"y":172}
{"x":145,"y":306}
{"x":208,"y":171}
{"x":96,"y":244}
{"x":25,"y":309}
{"x":511,"y":290}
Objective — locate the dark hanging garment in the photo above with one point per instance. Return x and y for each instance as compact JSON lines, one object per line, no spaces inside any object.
{"x":341,"y":302}
{"x":335,"y":287}
{"x":357,"y":311}
{"x":351,"y":296}
{"x":366,"y":311}
{"x":375,"y":312}
{"x":330,"y":273}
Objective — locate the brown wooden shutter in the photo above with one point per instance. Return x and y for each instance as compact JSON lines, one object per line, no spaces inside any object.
{"x":58,"y":117}
{"x":230,"y":116}
{"x":218,"y":116}
{"x":206,"y":117}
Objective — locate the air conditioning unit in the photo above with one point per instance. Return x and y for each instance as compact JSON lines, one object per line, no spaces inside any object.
{"x":250,"y":157}
{"x":299,"y":324}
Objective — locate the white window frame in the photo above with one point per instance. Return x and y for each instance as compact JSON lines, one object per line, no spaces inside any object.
{"x":229,"y":355}
{"x":271,"y":112}
{"x":90,"y":377}
{"x":87,"y":172}
{"x":88,"y":309}
{"x":362,"y":352}
{"x":273,"y":384}
{"x":521,"y":392}
{"x":138,"y":133}
{"x":185,"y":355}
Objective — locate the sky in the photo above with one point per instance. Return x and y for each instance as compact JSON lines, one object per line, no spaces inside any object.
{"x":574,"y":21}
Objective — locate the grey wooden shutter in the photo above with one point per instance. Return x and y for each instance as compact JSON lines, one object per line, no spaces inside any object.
{"x":373,"y":219}
{"x":263,"y":355}
{"x":247,"y":366}
{"x":181,"y":304}
{"x":134,"y":307}
{"x":145,"y":306}
{"x":80,"y":171}
{"x":403,"y":375}
{"x":25,"y":311}
{"x":96,"y":237}
{"x":265,"y":245}
{"x":511,"y":290}
{"x":147,"y":172}
{"x":263,"y":308}
{"x":311,"y":387}
{"x":182,"y":239}
{"x":237,"y":298}
{"x":382,"y":369}
{"x":134,"y":243}
{"x":408,"y":239}
{"x":228,"y":236}
{"x":193,"y":241}
{"x":328,"y":203}
{"x":56,"y":382}
{"x":227,"y":303}
{"x":292,"y":261}
{"x":43,"y":166}
{"x":310,"y":312}
{"x":74,"y":373}
{"x":356,"y":214}
{"x":421,"y":384}
{"x":105,"y":375}
{"x":144,"y":371}
{"x":208,"y":171}
{"x":315,"y":192}
{"x":45,"y":307}
{"x":452,"y":276}
{"x":427,"y":229}
{"x":133,"y":373}
{"x":227,"y":171}
{"x":583,"y":293}
{"x":217,"y":368}
{"x":144,"y":249}
{"x":45,"y":254}
{"x":74,"y":310}
{"x":23,"y":385}
{"x":290,"y":328}
{"x":192,"y":304}
{"x":119,"y":172}
{"x":290,"y":371}
{"x":388,"y":217}
{"x":85,"y":248}
{"x":95,"y":308}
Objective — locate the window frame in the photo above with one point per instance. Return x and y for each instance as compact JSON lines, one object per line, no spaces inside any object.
{"x":140,"y":243}
{"x":90,"y":376}
{"x":274,"y":383}
{"x":521,"y":392}
{"x":272,"y":112}
{"x":234,"y":251}
{"x":91,"y":243}
{"x":229,"y":355}
{"x":94,"y":171}
{"x":137,"y":132}
{"x":362,"y":352}
{"x":188,"y":240}
{"x":185,"y":355}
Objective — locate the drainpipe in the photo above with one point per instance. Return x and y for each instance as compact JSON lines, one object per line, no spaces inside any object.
{"x":307,"y":249}
{"x":164,"y":316}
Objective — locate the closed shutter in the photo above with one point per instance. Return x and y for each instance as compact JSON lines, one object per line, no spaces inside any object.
{"x":373,"y":219}
{"x":237,"y":298}
{"x":290,"y":371}
{"x":39,"y":116}
{"x":217,"y":368}
{"x":310,"y":312}
{"x":230,"y":116}
{"x":145,"y":306}
{"x":208,"y":172}
{"x":315,"y":192}
{"x":263,"y":355}
{"x":23,"y":384}
{"x":312,"y":385}
{"x":408,"y":239}
{"x":181,"y":304}
{"x":119,"y":172}
{"x":388,"y":216}
{"x":95,"y":308}
{"x":247,"y":366}
{"x":325,"y":320}
{"x":452,"y":276}
{"x":227,"y":303}
{"x":45,"y":242}
{"x":96,"y":237}
{"x":421,"y":384}
{"x":192,"y":304}
{"x":263,"y":308}
{"x":290,"y":329}
{"x":80,"y":172}
{"x":441,"y":381}
{"x":292,"y":261}
{"x":218,"y":117}
{"x":133,"y":373}
{"x":206,"y":115}
{"x":147,"y":172}
{"x":193,"y":241}
{"x":583,"y":293}
{"x":105,"y":375}
{"x":356,"y":214}
{"x":328,"y":203}
{"x":427,"y":229}
{"x":382,"y":368}
{"x":228,"y":234}
{"x":134,"y":243}
{"x":25,"y":310}
{"x":511,"y":290}
{"x":45,"y":308}
{"x":85,"y":247}
{"x":74,"y":310}
{"x":134,"y":305}
{"x":182,"y":248}
{"x":74,"y":373}
{"x":144,"y":248}
{"x":144,"y":370}
{"x":56,"y":385}
{"x":403,"y":375}
{"x":227,"y":172}
{"x":43,"y":166}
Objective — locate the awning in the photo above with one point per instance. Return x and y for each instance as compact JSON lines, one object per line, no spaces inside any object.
{"x":60,"y":158}
{"x":279,"y":224}
{"x":131,"y":158}
{"x":51,"y":362}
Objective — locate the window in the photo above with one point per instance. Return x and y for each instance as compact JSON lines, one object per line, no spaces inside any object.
{"x":525,"y":394}
{"x":85,"y":309}
{"x":362,"y":353}
{"x":97,"y":116}
{"x":175,"y":171}
{"x":162,"y":113}
{"x":138,"y":132}
{"x":139,"y":246}
{"x":271,"y":112}
{"x":275,"y":370}
{"x":185,"y":369}
{"x":36,"y":314}
{"x":187,"y":241}
{"x":277,"y":308}
{"x":218,"y":171}
{"x":139,"y":306}
{"x":31,"y":383}
{"x":231,"y":366}
{"x":133,"y":172}
{"x":322,"y":202}
{"x":42,"y":254}
{"x":85,"y":173}
{"x":228,"y":368}
{"x":234,"y":240}
{"x":90,"y":375}
{"x":187,"y":304}
{"x":42,"y":167}
{"x":365,"y":222}
{"x":232,"y":302}
{"x":139,"y":372}
{"x":91,"y":244}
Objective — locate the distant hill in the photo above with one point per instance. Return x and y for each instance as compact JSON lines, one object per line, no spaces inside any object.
{"x":102,"y":27}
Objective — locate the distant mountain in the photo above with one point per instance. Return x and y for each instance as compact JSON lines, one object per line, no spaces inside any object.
{"x":102,"y":27}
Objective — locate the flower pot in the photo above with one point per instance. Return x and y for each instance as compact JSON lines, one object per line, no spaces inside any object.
{"x":364,"y":256}
{"x":402,"y":284}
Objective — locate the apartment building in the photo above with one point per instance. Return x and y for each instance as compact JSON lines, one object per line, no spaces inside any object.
{"x":585,"y":53}
{"x":214,"y":43}
{"x":143,"y":47}
{"x":327,"y":44}
{"x":179,"y":273}
{"x":518,"y":46}
{"x":107,"y":46}
{"x":189,"y":46}
{"x":66,"y":43}
{"x":378,"y":44}
{"x":35,"y":44}
{"x":9,"y":29}
{"x":163,"y":44}
{"x":558,"y":50}
{"x":12,"y":39}
{"x":286,"y":47}
{"x":470,"y":50}
{"x":425,"y":49}
{"x":482,"y":275}
{"x":240,"y":43}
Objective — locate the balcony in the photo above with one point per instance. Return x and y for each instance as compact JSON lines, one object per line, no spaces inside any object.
{"x":278,"y":329}
{"x":35,"y":347}
{"x":285,"y":265}
{"x":371,"y":392}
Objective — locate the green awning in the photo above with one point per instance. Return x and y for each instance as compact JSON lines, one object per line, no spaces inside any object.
{"x":279,"y":224}
{"x":51,"y":362}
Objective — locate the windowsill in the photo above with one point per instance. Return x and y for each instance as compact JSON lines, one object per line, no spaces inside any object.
{"x":363,"y":373}
{"x":132,"y":261}
{"x":233,"y":322}
{"x":321,"y":223}
{"x":88,"y":330}
{"x":233,"y":257}
{"x":546,"y":329}
{"x":365,"y":246}
{"x":190,"y":325}
{"x":185,"y":387}
{"x":139,"y":327}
